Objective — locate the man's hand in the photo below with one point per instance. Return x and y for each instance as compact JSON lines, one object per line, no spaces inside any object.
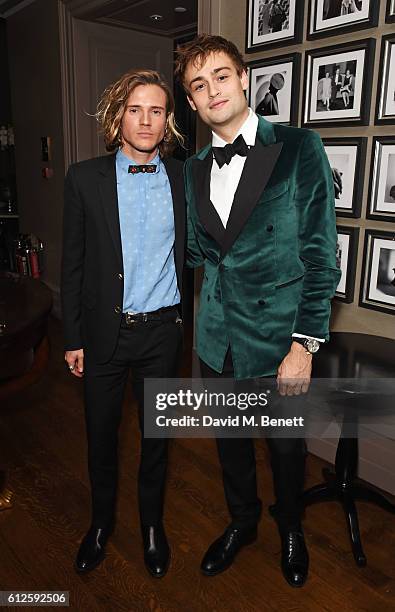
{"x":294,"y":372}
{"x":75,"y":361}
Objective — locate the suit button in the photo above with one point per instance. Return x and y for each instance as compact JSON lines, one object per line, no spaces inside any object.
{"x":118,"y":309}
{"x":269,"y":228}
{"x":120,"y":276}
{"x":261,"y":302}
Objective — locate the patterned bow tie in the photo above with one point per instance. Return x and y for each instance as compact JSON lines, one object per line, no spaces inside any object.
{"x":148,"y":168}
{"x":223,"y":155}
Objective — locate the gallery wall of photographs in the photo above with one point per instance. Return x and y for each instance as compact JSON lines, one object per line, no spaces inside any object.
{"x":337,"y":93}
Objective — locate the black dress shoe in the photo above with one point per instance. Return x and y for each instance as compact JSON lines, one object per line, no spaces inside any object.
{"x":92,"y":549}
{"x":156,"y":550}
{"x":294,"y":558}
{"x":222,"y":552}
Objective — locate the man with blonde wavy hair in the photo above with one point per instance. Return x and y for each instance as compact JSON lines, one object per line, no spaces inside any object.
{"x":123,"y":252}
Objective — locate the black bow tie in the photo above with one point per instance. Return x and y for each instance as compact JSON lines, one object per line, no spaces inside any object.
{"x":223,"y":155}
{"x":149,"y":168}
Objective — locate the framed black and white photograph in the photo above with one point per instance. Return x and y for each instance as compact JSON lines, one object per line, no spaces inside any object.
{"x":381,"y":199}
{"x":385,"y":110}
{"x":273,"y":23}
{"x":378,"y":273}
{"x":338,"y":83}
{"x":347,"y":158}
{"x":274,"y":88}
{"x":346,"y":259}
{"x":390,"y":14}
{"x":334,"y":17}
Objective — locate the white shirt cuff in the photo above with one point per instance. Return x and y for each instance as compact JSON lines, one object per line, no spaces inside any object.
{"x":304,"y":336}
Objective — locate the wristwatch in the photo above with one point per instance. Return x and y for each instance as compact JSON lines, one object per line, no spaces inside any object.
{"x":310,"y":344}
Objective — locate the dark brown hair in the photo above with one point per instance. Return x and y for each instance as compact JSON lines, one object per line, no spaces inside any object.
{"x":112,"y":105}
{"x":197,"y":51}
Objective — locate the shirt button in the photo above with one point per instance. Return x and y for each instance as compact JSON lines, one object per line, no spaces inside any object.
{"x":269,"y":228}
{"x":120,"y":276}
{"x":117,"y":309}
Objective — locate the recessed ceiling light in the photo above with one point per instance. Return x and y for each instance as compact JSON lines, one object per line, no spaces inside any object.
{"x":180,"y":9}
{"x":156,"y":17}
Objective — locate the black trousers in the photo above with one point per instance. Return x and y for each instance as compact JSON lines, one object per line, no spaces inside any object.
{"x":149,"y":350}
{"x":237,"y":458}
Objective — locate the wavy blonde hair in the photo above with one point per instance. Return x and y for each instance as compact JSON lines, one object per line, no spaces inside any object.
{"x":112,"y":105}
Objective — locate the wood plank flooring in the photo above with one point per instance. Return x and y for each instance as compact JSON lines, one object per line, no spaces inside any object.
{"x":42,"y":446}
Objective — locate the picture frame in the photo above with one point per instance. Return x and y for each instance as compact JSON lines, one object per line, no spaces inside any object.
{"x":338,"y":84}
{"x":336,"y":17}
{"x":265,"y":29}
{"x":346,"y":257}
{"x":381,"y":198}
{"x":347,"y":158}
{"x":385,"y":106}
{"x":390,"y":13}
{"x":274,"y":88}
{"x":378,"y":272}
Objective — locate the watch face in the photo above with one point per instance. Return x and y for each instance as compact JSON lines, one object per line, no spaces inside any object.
{"x":312,"y":345}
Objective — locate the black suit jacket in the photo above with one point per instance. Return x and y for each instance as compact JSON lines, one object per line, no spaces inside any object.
{"x":92,"y":266}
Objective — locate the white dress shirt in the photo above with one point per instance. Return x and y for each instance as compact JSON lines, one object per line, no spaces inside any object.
{"x":224,"y":181}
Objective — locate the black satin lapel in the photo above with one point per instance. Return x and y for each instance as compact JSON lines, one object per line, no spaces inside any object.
{"x":176,"y":180}
{"x":257,"y":170}
{"x":109,"y":197}
{"x":208,"y":215}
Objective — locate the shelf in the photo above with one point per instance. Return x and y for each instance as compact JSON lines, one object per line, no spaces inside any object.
{"x":9,"y":216}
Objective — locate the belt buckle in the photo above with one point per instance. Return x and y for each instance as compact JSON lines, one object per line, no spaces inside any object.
{"x":136,"y":317}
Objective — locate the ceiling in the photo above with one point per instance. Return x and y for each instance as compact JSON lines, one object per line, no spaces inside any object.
{"x":136,"y":14}
{"x":9,"y":7}
{"x":132,"y":14}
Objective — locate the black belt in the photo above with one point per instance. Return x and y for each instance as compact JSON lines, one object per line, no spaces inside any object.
{"x":162,"y":314}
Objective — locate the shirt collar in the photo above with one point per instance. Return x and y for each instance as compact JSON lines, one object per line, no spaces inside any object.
{"x":248,"y":130}
{"x":123,"y":162}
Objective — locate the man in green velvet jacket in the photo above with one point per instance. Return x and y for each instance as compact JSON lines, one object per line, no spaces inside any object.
{"x":261,"y":220}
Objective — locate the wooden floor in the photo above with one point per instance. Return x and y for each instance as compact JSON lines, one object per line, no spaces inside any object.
{"x":42,"y":445}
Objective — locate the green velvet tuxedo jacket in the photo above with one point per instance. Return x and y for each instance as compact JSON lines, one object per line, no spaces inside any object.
{"x":272,"y":271}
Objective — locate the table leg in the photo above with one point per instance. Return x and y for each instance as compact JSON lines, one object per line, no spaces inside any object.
{"x":320,"y":492}
{"x":366,"y":494}
{"x":353,"y":526}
